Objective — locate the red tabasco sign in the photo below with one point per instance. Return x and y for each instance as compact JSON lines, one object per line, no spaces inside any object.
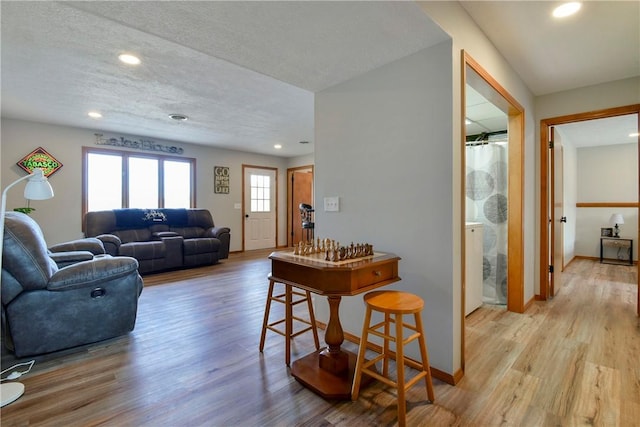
{"x":39,"y":158}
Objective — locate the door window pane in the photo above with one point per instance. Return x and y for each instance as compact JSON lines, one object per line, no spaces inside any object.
{"x":177,"y":184}
{"x":260,"y":193}
{"x":104,"y":182}
{"x":143,"y":183}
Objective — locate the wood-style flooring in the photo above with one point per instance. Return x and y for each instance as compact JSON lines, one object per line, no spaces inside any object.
{"x":193,"y":360}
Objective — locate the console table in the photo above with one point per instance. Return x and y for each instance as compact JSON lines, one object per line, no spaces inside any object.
{"x":329,"y":371}
{"x":619,"y":243}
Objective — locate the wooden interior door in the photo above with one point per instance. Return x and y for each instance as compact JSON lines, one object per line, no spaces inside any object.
{"x":301,"y":192}
{"x":557,"y":183}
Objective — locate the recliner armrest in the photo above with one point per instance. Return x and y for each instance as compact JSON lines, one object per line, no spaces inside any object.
{"x":217,"y":232}
{"x":63,"y":259}
{"x":90,"y":244}
{"x":111,"y":243}
{"x":91,"y":273}
{"x":224,"y":235}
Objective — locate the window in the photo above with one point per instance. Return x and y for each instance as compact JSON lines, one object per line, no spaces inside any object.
{"x":260,"y":193}
{"x":121,"y":179}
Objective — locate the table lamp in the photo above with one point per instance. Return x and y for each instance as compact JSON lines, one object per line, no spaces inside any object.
{"x":616,"y":219}
{"x":37,"y":188}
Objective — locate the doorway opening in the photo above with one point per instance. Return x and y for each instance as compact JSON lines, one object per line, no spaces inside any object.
{"x":551,"y":221}
{"x":299,"y":190}
{"x":260,"y":207}
{"x":509,"y":206}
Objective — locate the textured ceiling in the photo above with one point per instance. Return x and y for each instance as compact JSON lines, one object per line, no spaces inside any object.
{"x":245,"y":72}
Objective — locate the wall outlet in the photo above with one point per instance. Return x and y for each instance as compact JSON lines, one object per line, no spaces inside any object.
{"x":237,"y":206}
{"x":332,"y":204}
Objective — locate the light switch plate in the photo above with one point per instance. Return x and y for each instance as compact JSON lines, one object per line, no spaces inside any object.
{"x":237,"y":206}
{"x":332,"y":204}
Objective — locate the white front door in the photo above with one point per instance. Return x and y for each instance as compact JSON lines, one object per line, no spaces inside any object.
{"x":259,"y":208}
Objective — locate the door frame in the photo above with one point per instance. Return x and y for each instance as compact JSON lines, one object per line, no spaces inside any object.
{"x":515,"y":223}
{"x":275,"y":212}
{"x":545,"y":178}
{"x":290,"y":208}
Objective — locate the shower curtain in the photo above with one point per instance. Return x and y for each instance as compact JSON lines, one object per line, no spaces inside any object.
{"x":486,"y":202}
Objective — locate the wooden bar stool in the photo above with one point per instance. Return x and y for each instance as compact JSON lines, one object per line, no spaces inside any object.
{"x":290,"y":298}
{"x":396,"y":303}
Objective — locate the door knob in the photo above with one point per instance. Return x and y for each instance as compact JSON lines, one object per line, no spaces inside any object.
{"x":246,"y":215}
{"x":563,"y":219}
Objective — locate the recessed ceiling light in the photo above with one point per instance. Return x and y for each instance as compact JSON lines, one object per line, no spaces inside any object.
{"x":94,"y":115}
{"x":179,"y":117}
{"x":129,"y":59}
{"x":566,"y":9}
{"x":634,"y":135}
{"x":277,"y":146}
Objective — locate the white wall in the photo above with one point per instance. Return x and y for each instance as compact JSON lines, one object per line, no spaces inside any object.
{"x":466,"y":35}
{"x":383,"y":145}
{"x":606,"y":174}
{"x":60,"y":217}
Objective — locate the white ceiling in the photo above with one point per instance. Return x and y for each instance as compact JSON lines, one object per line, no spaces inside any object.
{"x":245,"y":72}
{"x":598,"y":132}
{"x":600,"y":43}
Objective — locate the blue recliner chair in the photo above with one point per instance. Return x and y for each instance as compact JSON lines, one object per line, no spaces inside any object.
{"x":46,"y":308}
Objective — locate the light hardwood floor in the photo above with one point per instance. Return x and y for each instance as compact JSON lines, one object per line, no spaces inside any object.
{"x":193,"y":360}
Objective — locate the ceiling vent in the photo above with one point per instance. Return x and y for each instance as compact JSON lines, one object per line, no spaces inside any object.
{"x":179,"y":117}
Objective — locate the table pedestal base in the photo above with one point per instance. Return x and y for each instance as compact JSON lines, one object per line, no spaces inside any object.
{"x":330,"y":386}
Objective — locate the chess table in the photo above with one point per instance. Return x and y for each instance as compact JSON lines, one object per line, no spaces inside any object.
{"x":329,"y":371}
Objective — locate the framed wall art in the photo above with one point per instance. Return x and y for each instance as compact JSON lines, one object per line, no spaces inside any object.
{"x":221,"y":180}
{"x":39,"y":158}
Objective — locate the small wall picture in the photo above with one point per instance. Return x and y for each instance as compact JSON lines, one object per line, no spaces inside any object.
{"x":221,"y":180}
{"x":606,"y":232}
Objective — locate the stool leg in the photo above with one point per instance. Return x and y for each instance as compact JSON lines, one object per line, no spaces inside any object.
{"x":312,"y":319}
{"x":385,"y":349}
{"x":364,"y":337}
{"x":425,"y":357}
{"x":402,"y":403}
{"x":288,"y":329}
{"x":267,"y":308}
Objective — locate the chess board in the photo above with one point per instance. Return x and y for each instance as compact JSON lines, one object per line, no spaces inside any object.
{"x":320,"y":258}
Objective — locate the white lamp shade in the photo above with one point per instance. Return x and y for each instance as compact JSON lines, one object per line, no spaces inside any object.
{"x":616,"y":218}
{"x":38,"y":187}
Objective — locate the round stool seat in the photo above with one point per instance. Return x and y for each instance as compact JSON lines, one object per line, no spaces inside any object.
{"x":396,"y":302}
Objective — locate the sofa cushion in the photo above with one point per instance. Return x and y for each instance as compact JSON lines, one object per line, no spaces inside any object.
{"x":200,"y":246}
{"x":143,"y":250}
{"x":133,"y":235}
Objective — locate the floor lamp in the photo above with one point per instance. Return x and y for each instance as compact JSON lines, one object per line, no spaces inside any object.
{"x":37,"y":188}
